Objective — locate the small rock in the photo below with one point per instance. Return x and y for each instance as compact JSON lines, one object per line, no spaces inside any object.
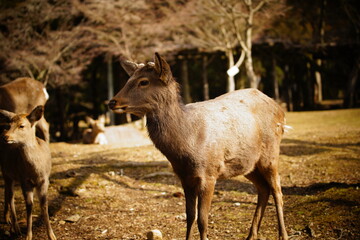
{"x":237,"y":204}
{"x":181,"y":217}
{"x":154,"y":235}
{"x":73,"y":218}
{"x":71,"y":174}
{"x":178,"y":194}
{"x":309,"y":230}
{"x":62,"y":222}
{"x":68,"y":191}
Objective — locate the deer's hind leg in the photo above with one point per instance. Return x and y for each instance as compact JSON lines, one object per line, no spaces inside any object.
{"x":263,"y":190}
{"x":273,"y":179}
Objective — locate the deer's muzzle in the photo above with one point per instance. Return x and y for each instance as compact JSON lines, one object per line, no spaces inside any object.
{"x":116,"y":107}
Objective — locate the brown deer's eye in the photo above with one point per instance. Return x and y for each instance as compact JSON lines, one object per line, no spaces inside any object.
{"x":144,"y":83}
{"x":21,"y":126}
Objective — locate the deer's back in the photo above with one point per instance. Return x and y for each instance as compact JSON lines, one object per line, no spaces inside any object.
{"x":237,"y":129}
{"x":22,"y":95}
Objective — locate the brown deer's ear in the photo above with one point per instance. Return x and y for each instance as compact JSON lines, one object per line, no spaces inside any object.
{"x":36,"y":114}
{"x":6,"y":116}
{"x":89,"y":120}
{"x":128,"y":66}
{"x":163,"y":68}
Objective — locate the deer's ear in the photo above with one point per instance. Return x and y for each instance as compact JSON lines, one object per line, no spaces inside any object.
{"x":36,"y":114}
{"x":102,"y":119}
{"x":6,"y":116}
{"x":129,"y":66}
{"x":89,"y":120}
{"x":163,"y":68}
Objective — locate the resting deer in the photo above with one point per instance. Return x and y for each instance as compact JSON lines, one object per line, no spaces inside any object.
{"x":24,"y":158}
{"x":95,"y":134}
{"x":21,"y":96}
{"x":238,"y":133}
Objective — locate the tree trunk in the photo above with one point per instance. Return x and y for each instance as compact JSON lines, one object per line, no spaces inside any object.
{"x":60,"y":102}
{"x":205,"y":78}
{"x":110,"y":84}
{"x":309,"y":88}
{"x":350,"y":93}
{"x":288,"y":87}
{"x":231,"y":79}
{"x":318,"y":82}
{"x":318,"y":62}
{"x":274,"y":79}
{"x":251,"y":76}
{"x":185,"y":81}
{"x":94,"y":93}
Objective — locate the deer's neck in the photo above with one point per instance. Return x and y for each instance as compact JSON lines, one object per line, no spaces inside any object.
{"x":169,"y":127}
{"x":33,"y":150}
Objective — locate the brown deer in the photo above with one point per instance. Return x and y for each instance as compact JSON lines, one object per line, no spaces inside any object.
{"x":238,"y":133}
{"x":21,"y":96}
{"x":26,"y":159}
{"x":95,"y":134}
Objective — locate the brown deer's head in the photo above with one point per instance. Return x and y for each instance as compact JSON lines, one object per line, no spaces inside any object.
{"x":19,"y":128}
{"x":147,"y":86}
{"x":98,"y":126}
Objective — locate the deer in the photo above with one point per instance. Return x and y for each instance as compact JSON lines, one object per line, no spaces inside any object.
{"x":23,"y":95}
{"x":95,"y":134}
{"x":24,"y":158}
{"x":238,"y":133}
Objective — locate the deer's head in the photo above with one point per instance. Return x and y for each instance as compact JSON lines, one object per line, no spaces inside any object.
{"x":98,"y":125}
{"x":147,"y":86}
{"x":19,"y":128}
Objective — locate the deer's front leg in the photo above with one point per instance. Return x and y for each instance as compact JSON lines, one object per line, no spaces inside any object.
{"x":9,"y":210}
{"x":190,"y":198}
{"x":204,"y":203}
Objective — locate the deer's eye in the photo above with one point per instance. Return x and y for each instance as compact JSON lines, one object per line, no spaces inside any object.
{"x":21,"y":126}
{"x":144,"y":83}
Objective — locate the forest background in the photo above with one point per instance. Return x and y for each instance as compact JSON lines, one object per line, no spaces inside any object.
{"x":305,"y":54}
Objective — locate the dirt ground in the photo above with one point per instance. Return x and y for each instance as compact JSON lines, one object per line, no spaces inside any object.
{"x":112,"y":192}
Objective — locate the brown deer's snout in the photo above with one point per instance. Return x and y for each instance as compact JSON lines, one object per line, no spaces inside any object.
{"x":6,"y":139}
{"x":112,"y":104}
{"x":117,"y":106}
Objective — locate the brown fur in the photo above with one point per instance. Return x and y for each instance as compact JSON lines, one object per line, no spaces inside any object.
{"x":21,"y":96}
{"x":26,"y":159}
{"x":238,"y":133}
{"x":95,"y":134}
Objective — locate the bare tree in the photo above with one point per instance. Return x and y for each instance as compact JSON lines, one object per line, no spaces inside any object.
{"x":54,"y":41}
{"x":41,"y":41}
{"x":226,"y":25}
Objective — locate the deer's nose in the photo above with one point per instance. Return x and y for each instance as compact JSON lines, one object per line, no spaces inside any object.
{"x":112,"y":104}
{"x":4,"y":138}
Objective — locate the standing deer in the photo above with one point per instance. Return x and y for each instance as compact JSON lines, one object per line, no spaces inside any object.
{"x":21,"y":96}
{"x":95,"y":134}
{"x":24,"y":158}
{"x":238,"y":133}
